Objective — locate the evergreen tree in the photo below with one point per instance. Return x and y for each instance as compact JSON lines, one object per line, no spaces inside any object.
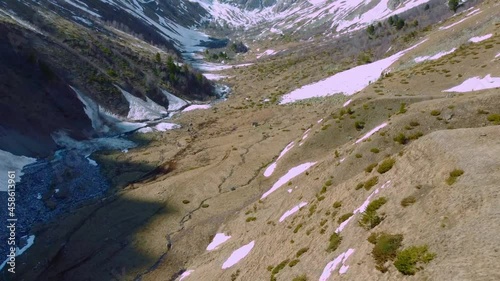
{"x":453,"y":4}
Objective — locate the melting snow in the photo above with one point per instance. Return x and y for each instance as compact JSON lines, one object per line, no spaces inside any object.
{"x":347,"y":103}
{"x":292,"y":211}
{"x":320,"y":120}
{"x":270,"y":169}
{"x":103,"y":121}
{"x":332,"y":266}
{"x":361,"y":208}
{"x":347,"y":82}
{"x":373,"y":131}
{"x":11,"y":162}
{"x":197,"y":106}
{"x":293,"y":172}
{"x":91,"y":161}
{"x":218,"y":240}
{"x":214,"y":77}
{"x":238,"y":255}
{"x":174,"y":102}
{"x":82,"y":6}
{"x":166,"y":126}
{"x":143,"y":110}
{"x":435,"y":57}
{"x":266,"y":53}
{"x":476,"y":84}
{"x":478,"y":39}
{"x":185,"y":274}
{"x":29,"y":242}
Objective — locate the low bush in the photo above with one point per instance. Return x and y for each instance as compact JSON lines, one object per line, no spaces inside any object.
{"x":249,"y":219}
{"x":375,"y":150}
{"x":435,"y":112}
{"x":407,"y":260}
{"x":370,"y":167}
{"x":344,"y":217}
{"x":334,"y":242}
{"x":301,"y":252}
{"x":401,"y":138}
{"x":337,"y":204}
{"x":386,"y":165}
{"x":453,"y":176}
{"x":407,"y":201}
{"x":293,"y":262}
{"x":371,"y":182}
{"x":495,"y":118}
{"x":386,"y":248}
{"x":370,"y":218}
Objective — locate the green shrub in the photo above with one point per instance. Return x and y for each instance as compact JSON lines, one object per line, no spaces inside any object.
{"x":407,"y":201}
{"x":453,"y":176}
{"x":301,"y":252}
{"x":370,"y":167}
{"x":370,"y":218}
{"x":205,"y":205}
{"x":328,"y":183}
{"x":298,"y":227}
{"x":371,"y":182}
{"x":279,"y":267}
{"x":407,"y":260}
{"x":386,"y":165}
{"x":358,"y":155}
{"x":359,"y":125}
{"x":337,"y":204}
{"x":293,"y":263}
{"x":249,"y":219}
{"x":435,"y":112}
{"x":495,"y":118}
{"x":185,"y":201}
{"x":415,"y":136}
{"x":302,"y":277}
{"x":359,"y":186}
{"x":373,"y":237}
{"x":344,"y":217}
{"x":386,"y":248}
{"x":401,"y":139}
{"x":235,"y":275}
{"x":414,"y":123}
{"x":334,"y":242}
{"x":402,"y":108}
{"x":375,"y":150}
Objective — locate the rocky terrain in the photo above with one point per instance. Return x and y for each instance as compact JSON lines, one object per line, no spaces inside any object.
{"x":364,"y":152}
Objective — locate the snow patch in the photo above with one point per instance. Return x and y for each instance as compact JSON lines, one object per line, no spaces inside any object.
{"x":434,"y":57}
{"x":11,"y":162}
{"x":219,"y":239}
{"x":174,"y":102}
{"x":238,"y":255}
{"x":370,"y":133}
{"x":166,"y":126}
{"x":196,"y":106}
{"x":185,"y":274}
{"x":143,"y":110}
{"x":347,"y":103}
{"x":478,"y":39}
{"x":292,"y":173}
{"x":292,"y":210}
{"x":332,"y":266}
{"x":476,"y":84}
{"x":347,"y":82}
{"x":30,"y":240}
{"x":270,"y":169}
{"x":214,"y":77}
{"x":266,"y":53}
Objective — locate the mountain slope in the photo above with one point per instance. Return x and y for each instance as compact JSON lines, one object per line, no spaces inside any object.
{"x":345,"y":183}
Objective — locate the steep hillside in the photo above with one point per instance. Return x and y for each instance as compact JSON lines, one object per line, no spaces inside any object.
{"x":329,"y":160}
